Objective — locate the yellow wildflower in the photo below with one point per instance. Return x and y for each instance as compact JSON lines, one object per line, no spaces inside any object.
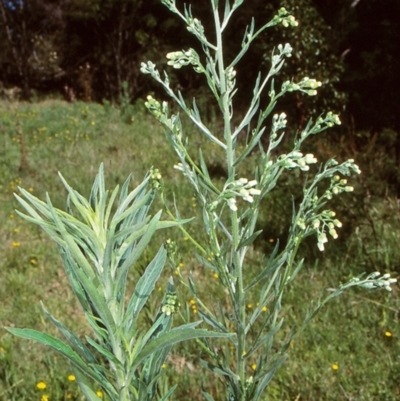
{"x":41,"y":385}
{"x":33,"y":261}
{"x":335,"y":366}
{"x":71,"y":378}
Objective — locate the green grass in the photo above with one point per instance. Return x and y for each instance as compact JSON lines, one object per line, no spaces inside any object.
{"x":38,"y":140}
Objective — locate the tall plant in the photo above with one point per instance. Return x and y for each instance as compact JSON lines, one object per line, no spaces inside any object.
{"x":230,"y":211}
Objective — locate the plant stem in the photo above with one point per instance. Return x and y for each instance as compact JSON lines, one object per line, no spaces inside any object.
{"x":239,"y":296}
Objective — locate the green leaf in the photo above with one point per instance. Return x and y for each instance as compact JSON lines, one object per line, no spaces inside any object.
{"x":219,"y":370}
{"x":274,"y":263}
{"x":77,"y":345}
{"x":109,"y":355}
{"x":126,"y":199}
{"x":175,"y":336}
{"x":203,"y":165}
{"x":64,"y":350}
{"x":207,"y":396}
{"x":94,"y":296}
{"x":249,"y":240}
{"x":132,"y":257}
{"x":267,"y":338}
{"x":267,"y":377}
{"x":89,"y":394}
{"x":126,"y":216}
{"x":168,"y":393}
{"x":145,"y":285}
{"x":253,"y":143}
{"x":213,"y":322}
{"x":73,"y":280}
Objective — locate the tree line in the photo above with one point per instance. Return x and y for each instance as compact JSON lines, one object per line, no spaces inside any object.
{"x":92,"y":50}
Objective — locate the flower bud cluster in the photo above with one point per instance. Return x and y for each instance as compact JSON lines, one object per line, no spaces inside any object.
{"x":171,"y":247}
{"x":306,"y":85}
{"x":168,"y":3}
{"x":284,"y":51}
{"x":321,"y":124}
{"x":322,"y":223}
{"x":278,"y":122}
{"x":231,"y":75}
{"x":149,"y":68}
{"x":171,"y":304}
{"x":172,"y":252}
{"x":375,"y":280}
{"x":195,"y":26}
{"x":351,"y":165}
{"x":297,"y":159}
{"x":153,"y":106}
{"x":242,"y":188}
{"x":338,"y":185}
{"x":183,"y":58}
{"x":325,"y":222}
{"x":330,"y":120}
{"x":284,"y":18}
{"x":155,"y":178}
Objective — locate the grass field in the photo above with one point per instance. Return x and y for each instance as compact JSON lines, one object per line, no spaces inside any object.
{"x":351,"y":351}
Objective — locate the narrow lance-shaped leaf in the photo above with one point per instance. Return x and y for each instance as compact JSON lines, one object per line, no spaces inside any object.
{"x":72,"y":339}
{"x":139,"y":249}
{"x":64,"y":350}
{"x":175,"y":336}
{"x":145,"y":285}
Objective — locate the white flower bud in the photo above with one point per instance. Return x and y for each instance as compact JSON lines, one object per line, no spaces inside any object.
{"x":310,"y":159}
{"x":316,"y":224}
{"x":322,"y":238}
{"x":254,"y":191}
{"x":232,"y":204}
{"x":333,"y":233}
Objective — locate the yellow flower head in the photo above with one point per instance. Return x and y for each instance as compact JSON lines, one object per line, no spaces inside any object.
{"x":335,"y":366}
{"x":71,"y":378}
{"x":99,"y":393}
{"x":388,"y":333}
{"x":41,"y":385}
{"x":44,"y":397}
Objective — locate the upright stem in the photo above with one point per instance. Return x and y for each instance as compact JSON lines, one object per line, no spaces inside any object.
{"x":224,"y":98}
{"x":239,"y":297}
{"x":239,"y":307}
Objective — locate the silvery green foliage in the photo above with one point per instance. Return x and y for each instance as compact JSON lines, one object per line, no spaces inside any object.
{"x":99,"y":240}
{"x":230,"y":211}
